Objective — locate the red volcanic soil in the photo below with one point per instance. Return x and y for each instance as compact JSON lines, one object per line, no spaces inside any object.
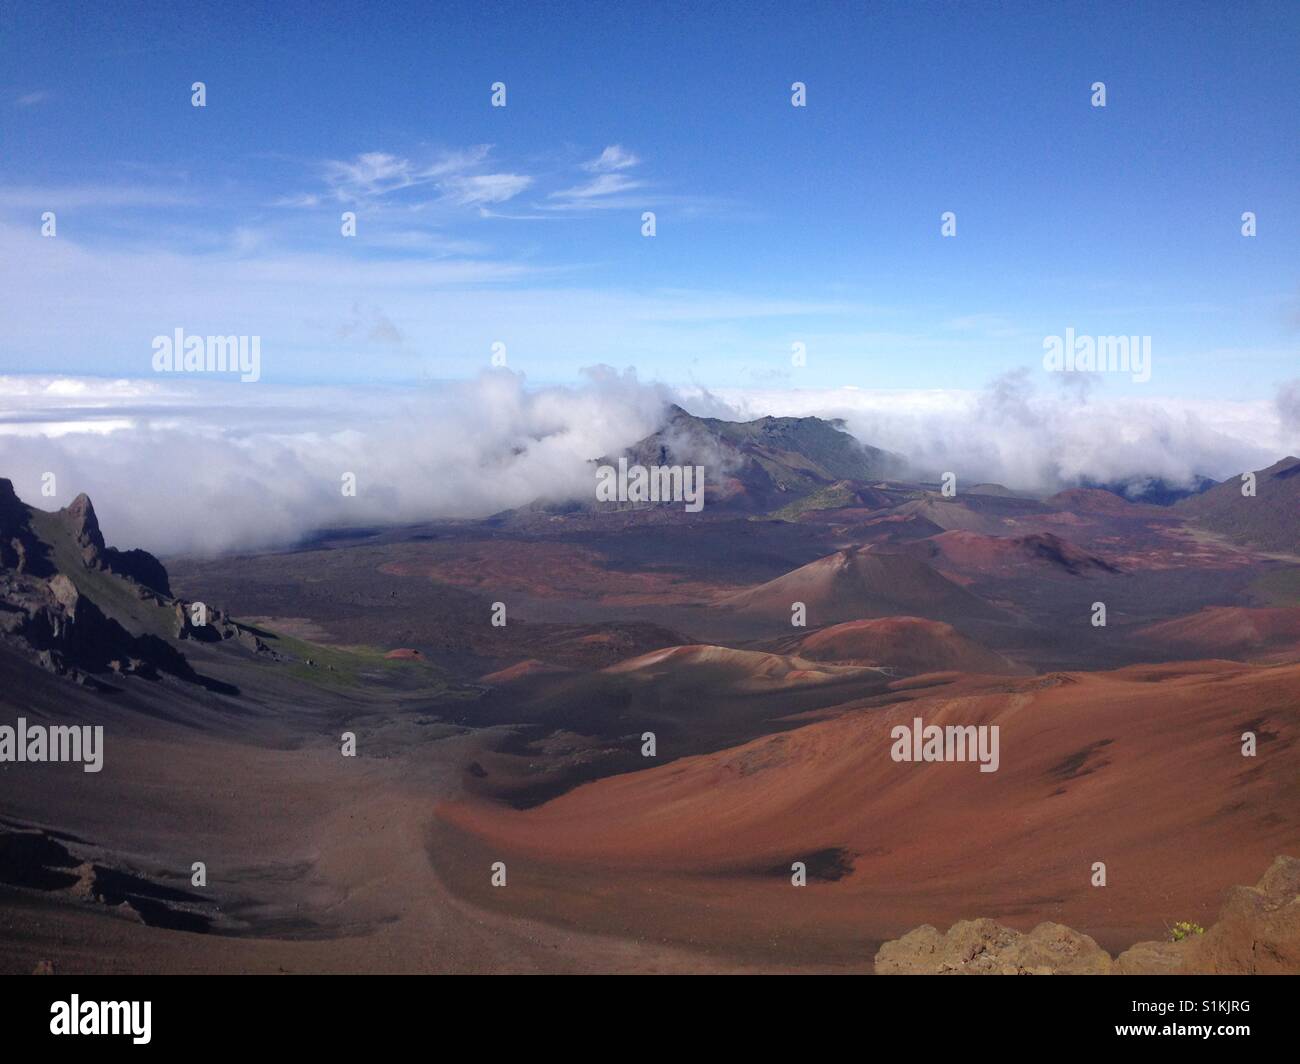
{"x":912,"y":645}
{"x":979,"y":553}
{"x":1229,"y":632}
{"x":855,"y":583}
{"x":404,"y":654}
{"x":1140,"y":769}
{"x":545,"y":569}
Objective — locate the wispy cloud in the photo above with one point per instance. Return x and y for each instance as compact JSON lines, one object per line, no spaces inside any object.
{"x":615,"y":157}
{"x":455,"y":177}
{"x":31,"y":99}
{"x":467,"y":178}
{"x":301,"y":199}
{"x":373,"y":173}
{"x":604,"y":190}
{"x":477,"y":189}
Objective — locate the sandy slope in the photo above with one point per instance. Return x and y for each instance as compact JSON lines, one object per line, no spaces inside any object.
{"x":336,"y":853}
{"x":1140,"y":769}
{"x":1230,"y":632}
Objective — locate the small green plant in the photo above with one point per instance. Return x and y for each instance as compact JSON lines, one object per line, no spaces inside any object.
{"x":1184,"y":928}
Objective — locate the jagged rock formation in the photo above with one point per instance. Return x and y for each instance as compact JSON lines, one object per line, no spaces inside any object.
{"x":216,"y":627}
{"x":1257,"y":933}
{"x":78,"y":607}
{"x":70,"y":635}
{"x":137,"y":565}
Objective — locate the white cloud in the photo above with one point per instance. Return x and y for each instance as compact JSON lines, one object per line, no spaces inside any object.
{"x":615,"y":157}
{"x":595,"y":193}
{"x":184,"y":465}
{"x":453,"y":176}
{"x":378,"y":173}
{"x":210,"y":468}
{"x":1012,"y":434}
{"x":485,"y":188}
{"x":371,"y":173}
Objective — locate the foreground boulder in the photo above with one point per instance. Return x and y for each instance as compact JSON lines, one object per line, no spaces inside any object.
{"x":1257,"y":933}
{"x":1258,"y":929}
{"x":984,"y":947}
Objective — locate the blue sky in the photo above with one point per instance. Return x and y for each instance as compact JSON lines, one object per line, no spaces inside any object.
{"x":775,"y":224}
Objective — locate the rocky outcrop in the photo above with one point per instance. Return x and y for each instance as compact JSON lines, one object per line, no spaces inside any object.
{"x":1257,"y":933}
{"x":84,"y":526}
{"x":984,"y":947}
{"x":217,"y":627}
{"x":137,"y":565}
{"x":48,"y":614}
{"x":20,"y":550}
{"x":1258,"y":929}
{"x":140,"y":566}
{"x":70,"y":636}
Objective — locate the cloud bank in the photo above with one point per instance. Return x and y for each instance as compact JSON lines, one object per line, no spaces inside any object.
{"x":1032,"y":440}
{"x":231,"y":468}
{"x":200,"y":467}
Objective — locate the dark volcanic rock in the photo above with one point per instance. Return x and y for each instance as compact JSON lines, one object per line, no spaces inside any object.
{"x":137,"y":565}
{"x":84,"y":526}
{"x":20,"y":550}
{"x":48,"y":616}
{"x":140,"y":566}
